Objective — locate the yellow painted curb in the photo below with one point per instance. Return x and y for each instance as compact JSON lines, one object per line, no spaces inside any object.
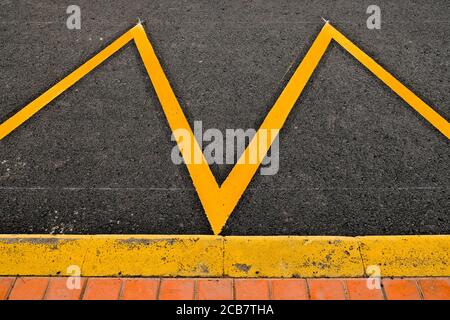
{"x":112,"y":255}
{"x":294,"y":256}
{"x":217,"y":256}
{"x":408,"y":256}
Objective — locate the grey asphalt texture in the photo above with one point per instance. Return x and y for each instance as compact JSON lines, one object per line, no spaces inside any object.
{"x":354,"y":158}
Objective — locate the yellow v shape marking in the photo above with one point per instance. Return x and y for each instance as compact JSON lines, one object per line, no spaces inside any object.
{"x":220,"y":201}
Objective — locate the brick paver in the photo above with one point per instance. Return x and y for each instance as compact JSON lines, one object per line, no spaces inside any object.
{"x":65,"y":289}
{"x":326,"y":289}
{"x":435,"y":289}
{"x":177,"y":289}
{"x":401,"y":289}
{"x":289,"y":289}
{"x":252,"y":289}
{"x":140,"y":289}
{"x":358,"y":289}
{"x":215,"y":289}
{"x":102,"y":289}
{"x":40,"y":288}
{"x":29,"y":289}
{"x":5,"y":287}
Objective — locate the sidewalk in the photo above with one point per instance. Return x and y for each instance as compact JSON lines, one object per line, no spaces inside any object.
{"x":55,"y":288}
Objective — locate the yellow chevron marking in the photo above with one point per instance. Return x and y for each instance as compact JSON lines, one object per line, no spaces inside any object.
{"x":219,"y":201}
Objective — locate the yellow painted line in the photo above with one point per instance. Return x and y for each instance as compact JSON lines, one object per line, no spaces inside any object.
{"x":217,"y":256}
{"x":220,"y":201}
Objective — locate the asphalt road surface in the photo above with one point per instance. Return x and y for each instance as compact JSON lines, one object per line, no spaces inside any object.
{"x":354,"y":158}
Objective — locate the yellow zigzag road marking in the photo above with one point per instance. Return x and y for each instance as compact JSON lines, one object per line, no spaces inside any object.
{"x":220,"y":201}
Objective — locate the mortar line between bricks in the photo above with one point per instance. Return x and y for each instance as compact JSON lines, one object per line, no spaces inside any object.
{"x":231,"y":289}
{"x":83,"y":288}
{"x":345,"y":288}
{"x":44,"y":296}
{"x":11,"y":288}
{"x":122,"y":286}
{"x":270,"y":289}
{"x":158,"y":289}
{"x":419,"y":289}
{"x":383,"y":292}
{"x":308,"y":291}
{"x":195,"y":289}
